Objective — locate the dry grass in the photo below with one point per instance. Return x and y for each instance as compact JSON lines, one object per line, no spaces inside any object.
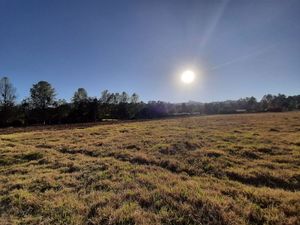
{"x":233,"y":169}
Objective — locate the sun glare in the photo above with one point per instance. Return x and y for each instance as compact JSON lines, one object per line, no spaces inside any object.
{"x":188,"y":77}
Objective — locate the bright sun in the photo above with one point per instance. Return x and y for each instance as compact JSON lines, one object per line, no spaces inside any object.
{"x":188,"y":77}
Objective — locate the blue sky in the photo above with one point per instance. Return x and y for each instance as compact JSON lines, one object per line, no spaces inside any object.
{"x":237,"y":48}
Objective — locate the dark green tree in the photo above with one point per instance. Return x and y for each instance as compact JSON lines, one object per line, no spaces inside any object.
{"x":42,"y":95}
{"x":80,"y":95}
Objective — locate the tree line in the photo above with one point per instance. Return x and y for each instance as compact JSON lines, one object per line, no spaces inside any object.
{"x":42,"y":107}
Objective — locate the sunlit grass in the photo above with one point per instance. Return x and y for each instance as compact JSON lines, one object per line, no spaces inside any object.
{"x":234,"y":169}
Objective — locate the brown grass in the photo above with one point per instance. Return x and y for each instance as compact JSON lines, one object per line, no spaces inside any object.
{"x":233,"y":169}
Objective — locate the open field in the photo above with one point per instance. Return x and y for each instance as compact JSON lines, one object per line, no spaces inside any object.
{"x":231,"y":169}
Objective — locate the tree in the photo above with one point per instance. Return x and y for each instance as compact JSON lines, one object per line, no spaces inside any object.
{"x":117,"y":98}
{"x":280,"y":102}
{"x":105,"y":95}
{"x":124,"y":98}
{"x":7,"y":93}
{"x":60,"y":112}
{"x":112,"y":99}
{"x":80,"y":96}
{"x":251,"y":104}
{"x":266,"y":102}
{"x":42,"y":95}
{"x":7,"y":101}
{"x":93,"y":110}
{"x":134,"y":98}
{"x":103,"y":100}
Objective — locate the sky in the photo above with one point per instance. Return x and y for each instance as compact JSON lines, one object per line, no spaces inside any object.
{"x":237,"y":48}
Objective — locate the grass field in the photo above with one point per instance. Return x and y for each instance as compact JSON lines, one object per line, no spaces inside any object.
{"x":231,"y":169}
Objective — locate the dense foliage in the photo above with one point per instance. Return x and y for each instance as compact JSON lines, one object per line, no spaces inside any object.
{"x":42,"y":107}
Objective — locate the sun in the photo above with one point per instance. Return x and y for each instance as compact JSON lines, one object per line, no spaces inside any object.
{"x":188,"y":77}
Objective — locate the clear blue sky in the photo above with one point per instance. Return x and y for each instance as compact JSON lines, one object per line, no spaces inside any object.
{"x":238,"y":48}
